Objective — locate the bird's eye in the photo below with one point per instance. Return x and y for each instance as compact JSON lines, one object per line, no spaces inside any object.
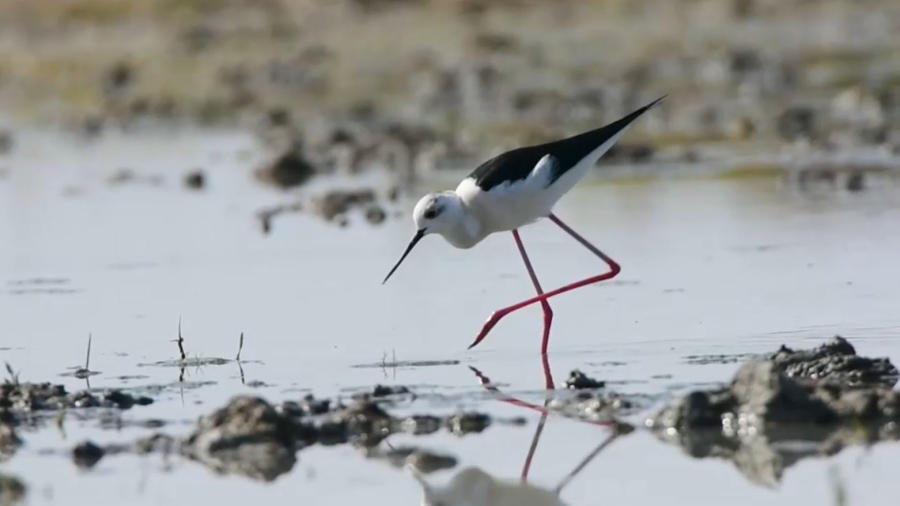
{"x":430,"y":213}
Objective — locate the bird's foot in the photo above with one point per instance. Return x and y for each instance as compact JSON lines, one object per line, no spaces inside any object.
{"x":488,"y":325}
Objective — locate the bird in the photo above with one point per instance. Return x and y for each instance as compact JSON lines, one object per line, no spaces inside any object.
{"x":472,"y":486}
{"x":514,"y":189}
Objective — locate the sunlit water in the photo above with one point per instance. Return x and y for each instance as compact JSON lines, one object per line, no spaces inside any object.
{"x":710,"y":266}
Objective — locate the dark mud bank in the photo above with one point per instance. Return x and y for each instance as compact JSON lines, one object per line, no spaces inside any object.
{"x":828,"y":398}
{"x":251,"y":437}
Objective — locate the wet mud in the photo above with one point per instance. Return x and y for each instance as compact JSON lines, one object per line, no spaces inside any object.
{"x":251,"y":437}
{"x":828,"y":398}
{"x":22,"y":401}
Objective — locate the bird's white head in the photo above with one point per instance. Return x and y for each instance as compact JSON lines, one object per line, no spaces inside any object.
{"x":436,"y":213}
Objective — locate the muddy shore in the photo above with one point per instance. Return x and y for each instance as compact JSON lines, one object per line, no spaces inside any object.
{"x":828,"y":397}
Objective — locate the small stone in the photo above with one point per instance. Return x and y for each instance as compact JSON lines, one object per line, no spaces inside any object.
{"x":856,"y":182}
{"x":384,"y":391}
{"x":375,"y":214}
{"x":467,"y":423}
{"x":579,"y":381}
{"x":195,"y":180}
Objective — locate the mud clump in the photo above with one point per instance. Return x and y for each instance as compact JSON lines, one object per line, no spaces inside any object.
{"x":247,"y":436}
{"x":423,"y":460}
{"x":829,"y":384}
{"x":108,"y":399}
{"x":337,"y":203}
{"x":12,"y":490}
{"x":363,"y":423}
{"x":18,"y":400}
{"x":580,"y":381}
{"x":835,"y":361}
{"x":827,"y":398}
{"x":87,"y":454}
{"x":289,"y":170}
{"x":385,"y":391}
{"x":309,"y":406}
{"x":251,"y":437}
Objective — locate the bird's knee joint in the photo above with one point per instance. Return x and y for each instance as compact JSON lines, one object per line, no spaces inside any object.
{"x":614,"y":270}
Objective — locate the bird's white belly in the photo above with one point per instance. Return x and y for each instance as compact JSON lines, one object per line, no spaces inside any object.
{"x":504,"y":212}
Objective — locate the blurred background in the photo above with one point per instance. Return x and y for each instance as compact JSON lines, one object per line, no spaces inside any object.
{"x":418,"y":85}
{"x":250,"y":167}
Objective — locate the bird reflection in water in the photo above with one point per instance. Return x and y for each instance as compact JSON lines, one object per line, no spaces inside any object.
{"x":472,"y":486}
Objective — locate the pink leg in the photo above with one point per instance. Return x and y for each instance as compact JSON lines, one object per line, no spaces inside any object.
{"x":548,"y":312}
{"x":614,"y":270}
{"x":548,"y":377}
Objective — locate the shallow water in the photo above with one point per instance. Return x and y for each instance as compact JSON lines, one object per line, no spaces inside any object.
{"x":711,"y":266}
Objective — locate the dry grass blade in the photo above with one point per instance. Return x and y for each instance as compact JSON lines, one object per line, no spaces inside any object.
{"x":87,"y":360}
{"x":180,"y":342}
{"x":240,"y":348}
{"x":13,"y":378}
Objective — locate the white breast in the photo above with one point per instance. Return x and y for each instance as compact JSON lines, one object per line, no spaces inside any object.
{"x":517,"y":203}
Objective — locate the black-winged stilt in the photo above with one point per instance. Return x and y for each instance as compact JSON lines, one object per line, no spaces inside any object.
{"x":515,"y":189}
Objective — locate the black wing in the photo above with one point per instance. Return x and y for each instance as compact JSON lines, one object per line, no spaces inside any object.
{"x":517,"y":164}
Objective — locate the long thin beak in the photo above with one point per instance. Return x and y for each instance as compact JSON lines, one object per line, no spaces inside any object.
{"x":416,"y":238}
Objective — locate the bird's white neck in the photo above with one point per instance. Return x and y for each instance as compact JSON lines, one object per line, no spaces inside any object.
{"x":465,"y":230}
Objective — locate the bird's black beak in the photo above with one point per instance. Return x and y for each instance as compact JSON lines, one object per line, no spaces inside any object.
{"x":416,"y":238}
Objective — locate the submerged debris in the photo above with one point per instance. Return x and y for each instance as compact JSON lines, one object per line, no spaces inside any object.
{"x":23,"y":398}
{"x":336,"y":203}
{"x":580,"y":381}
{"x":828,"y":396}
